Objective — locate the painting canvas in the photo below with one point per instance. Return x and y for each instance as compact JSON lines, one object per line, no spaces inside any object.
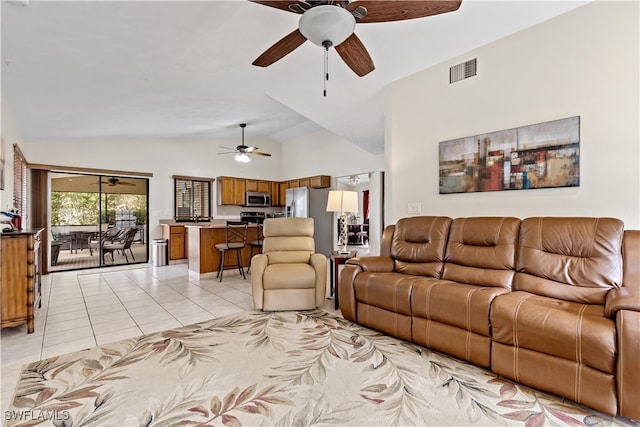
{"x":542,"y":155}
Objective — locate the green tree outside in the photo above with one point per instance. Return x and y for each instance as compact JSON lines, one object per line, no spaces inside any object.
{"x":70,"y":208}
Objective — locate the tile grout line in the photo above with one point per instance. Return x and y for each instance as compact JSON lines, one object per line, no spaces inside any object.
{"x":145,"y":291}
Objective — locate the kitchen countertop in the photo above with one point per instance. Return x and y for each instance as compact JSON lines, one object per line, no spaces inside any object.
{"x":216,"y":223}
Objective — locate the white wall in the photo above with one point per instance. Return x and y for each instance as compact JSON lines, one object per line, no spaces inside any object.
{"x":319,"y":153}
{"x":324,"y":153}
{"x":10,"y":135}
{"x":163,"y":159}
{"x":584,"y":63}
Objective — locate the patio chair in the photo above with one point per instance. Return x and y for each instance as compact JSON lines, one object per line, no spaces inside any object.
{"x":121,"y":245}
{"x":98,"y":238}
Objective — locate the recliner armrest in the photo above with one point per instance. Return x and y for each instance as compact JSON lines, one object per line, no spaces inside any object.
{"x":623,"y":298}
{"x":319,"y":263}
{"x":258,"y":264}
{"x":376,"y":264}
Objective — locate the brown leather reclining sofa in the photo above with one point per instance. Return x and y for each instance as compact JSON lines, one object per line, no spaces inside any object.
{"x":553,"y":303}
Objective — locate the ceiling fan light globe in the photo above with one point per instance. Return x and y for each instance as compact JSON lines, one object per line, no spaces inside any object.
{"x":242,"y":158}
{"x":327,"y":23}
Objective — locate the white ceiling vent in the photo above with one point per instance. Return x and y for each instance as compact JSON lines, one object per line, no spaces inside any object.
{"x":463,"y":71}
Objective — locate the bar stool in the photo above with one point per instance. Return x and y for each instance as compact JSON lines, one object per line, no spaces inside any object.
{"x":257,"y":244}
{"x":236,"y":234}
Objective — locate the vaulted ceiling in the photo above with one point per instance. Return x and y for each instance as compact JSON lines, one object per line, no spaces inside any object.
{"x":96,"y":70}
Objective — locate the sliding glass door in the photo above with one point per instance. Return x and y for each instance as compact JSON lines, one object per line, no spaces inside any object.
{"x":98,"y":220}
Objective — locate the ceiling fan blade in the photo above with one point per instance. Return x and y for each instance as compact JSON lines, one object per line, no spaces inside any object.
{"x":355,"y":55}
{"x":281,"y":48}
{"x":259,"y":153}
{"x":125,"y":183}
{"x":285,"y":5}
{"x":226,"y":148}
{"x":398,"y":10}
{"x":229,"y":152}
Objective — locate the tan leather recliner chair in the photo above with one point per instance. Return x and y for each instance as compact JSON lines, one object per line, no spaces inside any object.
{"x":288,"y":274}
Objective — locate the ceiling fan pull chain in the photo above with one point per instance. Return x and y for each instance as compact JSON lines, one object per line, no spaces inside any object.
{"x":327,"y":44}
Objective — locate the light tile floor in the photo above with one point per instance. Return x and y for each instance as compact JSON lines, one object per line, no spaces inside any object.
{"x":85,"y":308}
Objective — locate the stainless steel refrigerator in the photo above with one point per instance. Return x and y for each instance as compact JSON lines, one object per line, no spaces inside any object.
{"x":304,"y":202}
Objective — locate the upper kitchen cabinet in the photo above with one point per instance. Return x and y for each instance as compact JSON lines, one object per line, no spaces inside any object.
{"x":264,"y":186}
{"x":294,"y":183}
{"x":283,"y":193}
{"x":275,"y":193}
{"x":304,"y":182}
{"x":251,"y":184}
{"x":320,"y":181}
{"x":231,"y":190}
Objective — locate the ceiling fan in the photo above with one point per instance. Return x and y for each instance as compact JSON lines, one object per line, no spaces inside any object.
{"x":243,"y":152}
{"x":113,"y":181}
{"x":331,"y":23}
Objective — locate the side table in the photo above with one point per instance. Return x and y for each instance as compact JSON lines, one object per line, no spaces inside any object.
{"x":336,"y":260}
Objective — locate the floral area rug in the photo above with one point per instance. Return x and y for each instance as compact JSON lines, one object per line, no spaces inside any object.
{"x":277,"y":369}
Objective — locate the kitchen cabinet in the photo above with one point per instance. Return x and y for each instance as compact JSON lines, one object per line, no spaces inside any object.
{"x":204,"y":257}
{"x":257,"y":185}
{"x":294,"y":183}
{"x":231,"y":190}
{"x":283,"y":193}
{"x":304,"y":182}
{"x":320,"y":181}
{"x":176,"y":236}
{"x":275,"y":193}
{"x":251,"y":185}
{"x":263,"y":186}
{"x":21,"y":288}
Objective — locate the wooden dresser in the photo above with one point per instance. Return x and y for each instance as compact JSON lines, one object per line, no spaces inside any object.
{"x":21,"y":287}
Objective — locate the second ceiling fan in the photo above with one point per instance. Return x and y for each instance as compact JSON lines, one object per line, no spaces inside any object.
{"x":331,"y":23}
{"x":242,"y":151}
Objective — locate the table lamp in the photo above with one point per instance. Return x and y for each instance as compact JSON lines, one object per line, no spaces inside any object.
{"x":343,"y":202}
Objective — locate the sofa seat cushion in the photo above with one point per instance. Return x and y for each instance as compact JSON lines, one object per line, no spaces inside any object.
{"x":456,"y":304}
{"x":289,"y":276}
{"x":389,"y":291}
{"x":572,"y":331}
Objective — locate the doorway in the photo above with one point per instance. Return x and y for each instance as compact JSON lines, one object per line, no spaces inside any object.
{"x":365,"y":226}
{"x":97,"y":221}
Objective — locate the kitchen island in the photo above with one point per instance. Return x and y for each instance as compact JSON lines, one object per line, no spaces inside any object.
{"x":204,"y":258}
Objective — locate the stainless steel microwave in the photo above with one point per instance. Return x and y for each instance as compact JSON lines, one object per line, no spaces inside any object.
{"x":257,"y":199}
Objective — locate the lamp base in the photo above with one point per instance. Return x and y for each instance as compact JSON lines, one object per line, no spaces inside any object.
{"x":341,"y":252}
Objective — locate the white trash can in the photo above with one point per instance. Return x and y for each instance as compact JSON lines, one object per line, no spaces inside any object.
{"x":159,"y":252}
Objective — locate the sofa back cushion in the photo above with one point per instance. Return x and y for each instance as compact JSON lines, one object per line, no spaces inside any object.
{"x":482,"y":251}
{"x":418,"y":245}
{"x":574,"y":259}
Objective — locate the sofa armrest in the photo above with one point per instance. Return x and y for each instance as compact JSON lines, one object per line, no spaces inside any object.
{"x":377,"y":264}
{"x":258,"y":264}
{"x":621,"y":299}
{"x":627,"y":370}
{"x":319,"y":264}
{"x":346,"y":291}
{"x":627,"y":297}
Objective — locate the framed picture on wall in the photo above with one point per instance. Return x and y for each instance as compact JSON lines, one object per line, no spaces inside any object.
{"x":542,"y":155}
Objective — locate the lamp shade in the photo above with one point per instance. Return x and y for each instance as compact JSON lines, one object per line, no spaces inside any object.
{"x":327,"y":23}
{"x":342,"y":201}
